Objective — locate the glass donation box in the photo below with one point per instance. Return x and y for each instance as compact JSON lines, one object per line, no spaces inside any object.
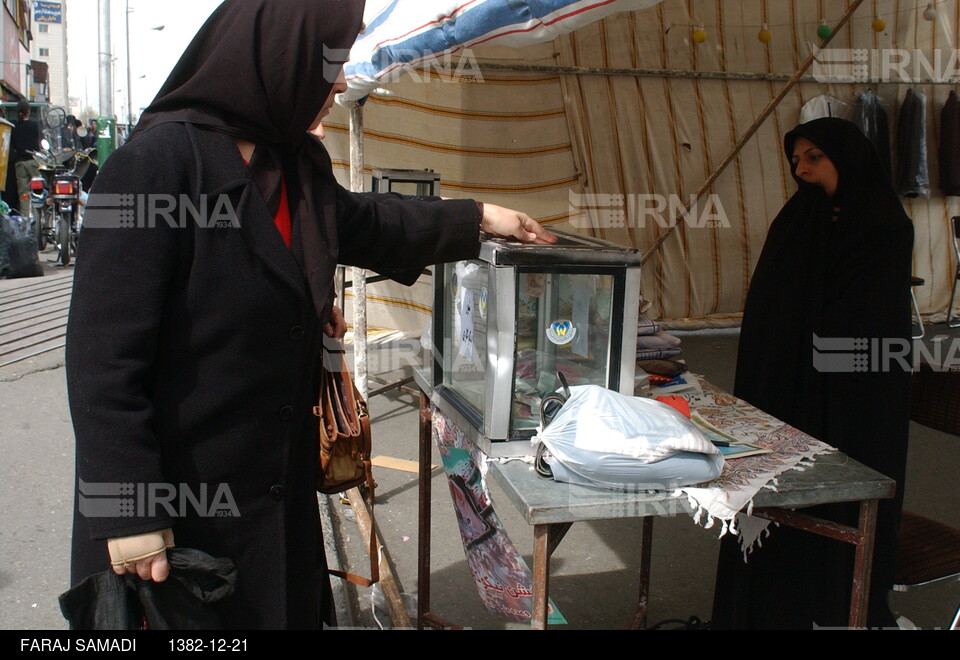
{"x":506,"y":323}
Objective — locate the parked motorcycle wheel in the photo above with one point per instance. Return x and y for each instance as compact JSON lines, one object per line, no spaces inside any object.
{"x":41,"y":236}
{"x":65,"y":238}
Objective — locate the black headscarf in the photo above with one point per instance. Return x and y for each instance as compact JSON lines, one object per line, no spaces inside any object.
{"x":261,"y":70}
{"x":846,"y":278}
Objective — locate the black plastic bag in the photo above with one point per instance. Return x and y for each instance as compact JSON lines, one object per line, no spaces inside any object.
{"x":185,"y":601}
{"x":18,"y":248}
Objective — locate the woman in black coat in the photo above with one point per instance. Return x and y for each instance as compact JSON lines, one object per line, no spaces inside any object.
{"x":836,"y":265}
{"x":200,"y":299}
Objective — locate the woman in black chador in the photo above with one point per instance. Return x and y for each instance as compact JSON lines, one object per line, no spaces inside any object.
{"x":836,"y":264}
{"x":193,"y":349}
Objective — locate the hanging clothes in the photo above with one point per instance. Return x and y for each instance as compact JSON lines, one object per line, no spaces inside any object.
{"x":913,"y":179}
{"x":825,"y":105}
{"x":870,"y":117}
{"x":950,"y":146}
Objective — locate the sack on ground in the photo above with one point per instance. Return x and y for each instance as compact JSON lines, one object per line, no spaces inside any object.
{"x":18,"y":248}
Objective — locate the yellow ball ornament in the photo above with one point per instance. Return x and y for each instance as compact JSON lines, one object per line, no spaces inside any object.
{"x":764,"y":36}
{"x":699,"y":35}
{"x":879,"y":25}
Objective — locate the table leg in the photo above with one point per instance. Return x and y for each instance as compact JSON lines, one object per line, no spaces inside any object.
{"x":863,"y":565}
{"x":424,"y":515}
{"x":646,"y":552}
{"x":861,"y":537}
{"x":546,"y":538}
{"x":541,"y":576}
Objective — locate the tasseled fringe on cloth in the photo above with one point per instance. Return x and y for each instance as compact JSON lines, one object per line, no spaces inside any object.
{"x":750,"y":530}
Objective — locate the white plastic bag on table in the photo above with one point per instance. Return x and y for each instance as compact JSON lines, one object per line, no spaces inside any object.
{"x":603,"y":438}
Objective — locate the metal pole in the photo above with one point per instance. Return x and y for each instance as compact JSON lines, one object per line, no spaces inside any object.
{"x":424,"y":511}
{"x":129,"y":83}
{"x":359,"y":275}
{"x":686,"y":74}
{"x":106,"y":77}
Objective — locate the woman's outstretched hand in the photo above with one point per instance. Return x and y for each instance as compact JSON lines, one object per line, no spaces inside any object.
{"x":509,"y":224}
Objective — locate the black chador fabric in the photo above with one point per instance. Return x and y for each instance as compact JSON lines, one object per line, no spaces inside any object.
{"x":817,"y":276}
{"x":913,"y":178}
{"x":870,"y":117}
{"x":950,"y":146}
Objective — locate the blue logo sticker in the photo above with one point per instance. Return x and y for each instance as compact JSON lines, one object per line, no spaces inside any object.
{"x":561,"y":333}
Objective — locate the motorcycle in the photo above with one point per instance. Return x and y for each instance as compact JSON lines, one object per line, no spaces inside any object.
{"x":41,"y":212}
{"x":56,"y":195}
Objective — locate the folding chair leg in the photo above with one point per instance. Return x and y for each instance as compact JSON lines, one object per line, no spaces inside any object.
{"x":952,"y":322}
{"x":916,"y":311}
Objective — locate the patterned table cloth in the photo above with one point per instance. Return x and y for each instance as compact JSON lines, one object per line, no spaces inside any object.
{"x":732,"y":493}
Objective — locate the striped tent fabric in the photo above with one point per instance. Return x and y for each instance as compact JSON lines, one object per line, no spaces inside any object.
{"x":604,"y":130}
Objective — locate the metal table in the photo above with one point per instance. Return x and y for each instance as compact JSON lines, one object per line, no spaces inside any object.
{"x":552,"y":508}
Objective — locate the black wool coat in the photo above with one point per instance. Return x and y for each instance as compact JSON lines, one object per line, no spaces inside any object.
{"x":192,"y":362}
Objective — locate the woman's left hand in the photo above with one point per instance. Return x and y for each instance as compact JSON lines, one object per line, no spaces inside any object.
{"x":336,"y":328}
{"x":507,"y":223}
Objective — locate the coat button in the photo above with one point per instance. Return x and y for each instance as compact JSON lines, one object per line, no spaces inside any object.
{"x":276,"y":492}
{"x":296,"y":333}
{"x":286,"y":413}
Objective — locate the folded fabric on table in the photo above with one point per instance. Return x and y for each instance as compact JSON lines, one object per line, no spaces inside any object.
{"x":661,"y":340}
{"x":646,"y":327}
{"x":658,"y":354}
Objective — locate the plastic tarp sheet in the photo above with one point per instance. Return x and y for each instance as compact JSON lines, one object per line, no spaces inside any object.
{"x":411,"y":32}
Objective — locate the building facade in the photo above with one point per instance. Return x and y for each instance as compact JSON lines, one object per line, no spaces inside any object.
{"x":15,"y":40}
{"x":49,"y":46}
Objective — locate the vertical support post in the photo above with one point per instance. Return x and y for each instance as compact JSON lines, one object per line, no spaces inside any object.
{"x":359,"y":274}
{"x":106,"y":54}
{"x":425,"y":511}
{"x":129,"y":77}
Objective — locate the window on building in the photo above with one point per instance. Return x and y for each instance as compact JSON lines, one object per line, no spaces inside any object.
{"x":43,"y":28}
{"x":44,"y":52}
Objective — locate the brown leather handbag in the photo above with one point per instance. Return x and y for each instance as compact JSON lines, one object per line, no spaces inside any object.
{"x":345,"y":445}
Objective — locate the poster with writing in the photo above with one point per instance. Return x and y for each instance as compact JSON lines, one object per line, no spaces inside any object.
{"x":502,"y":577}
